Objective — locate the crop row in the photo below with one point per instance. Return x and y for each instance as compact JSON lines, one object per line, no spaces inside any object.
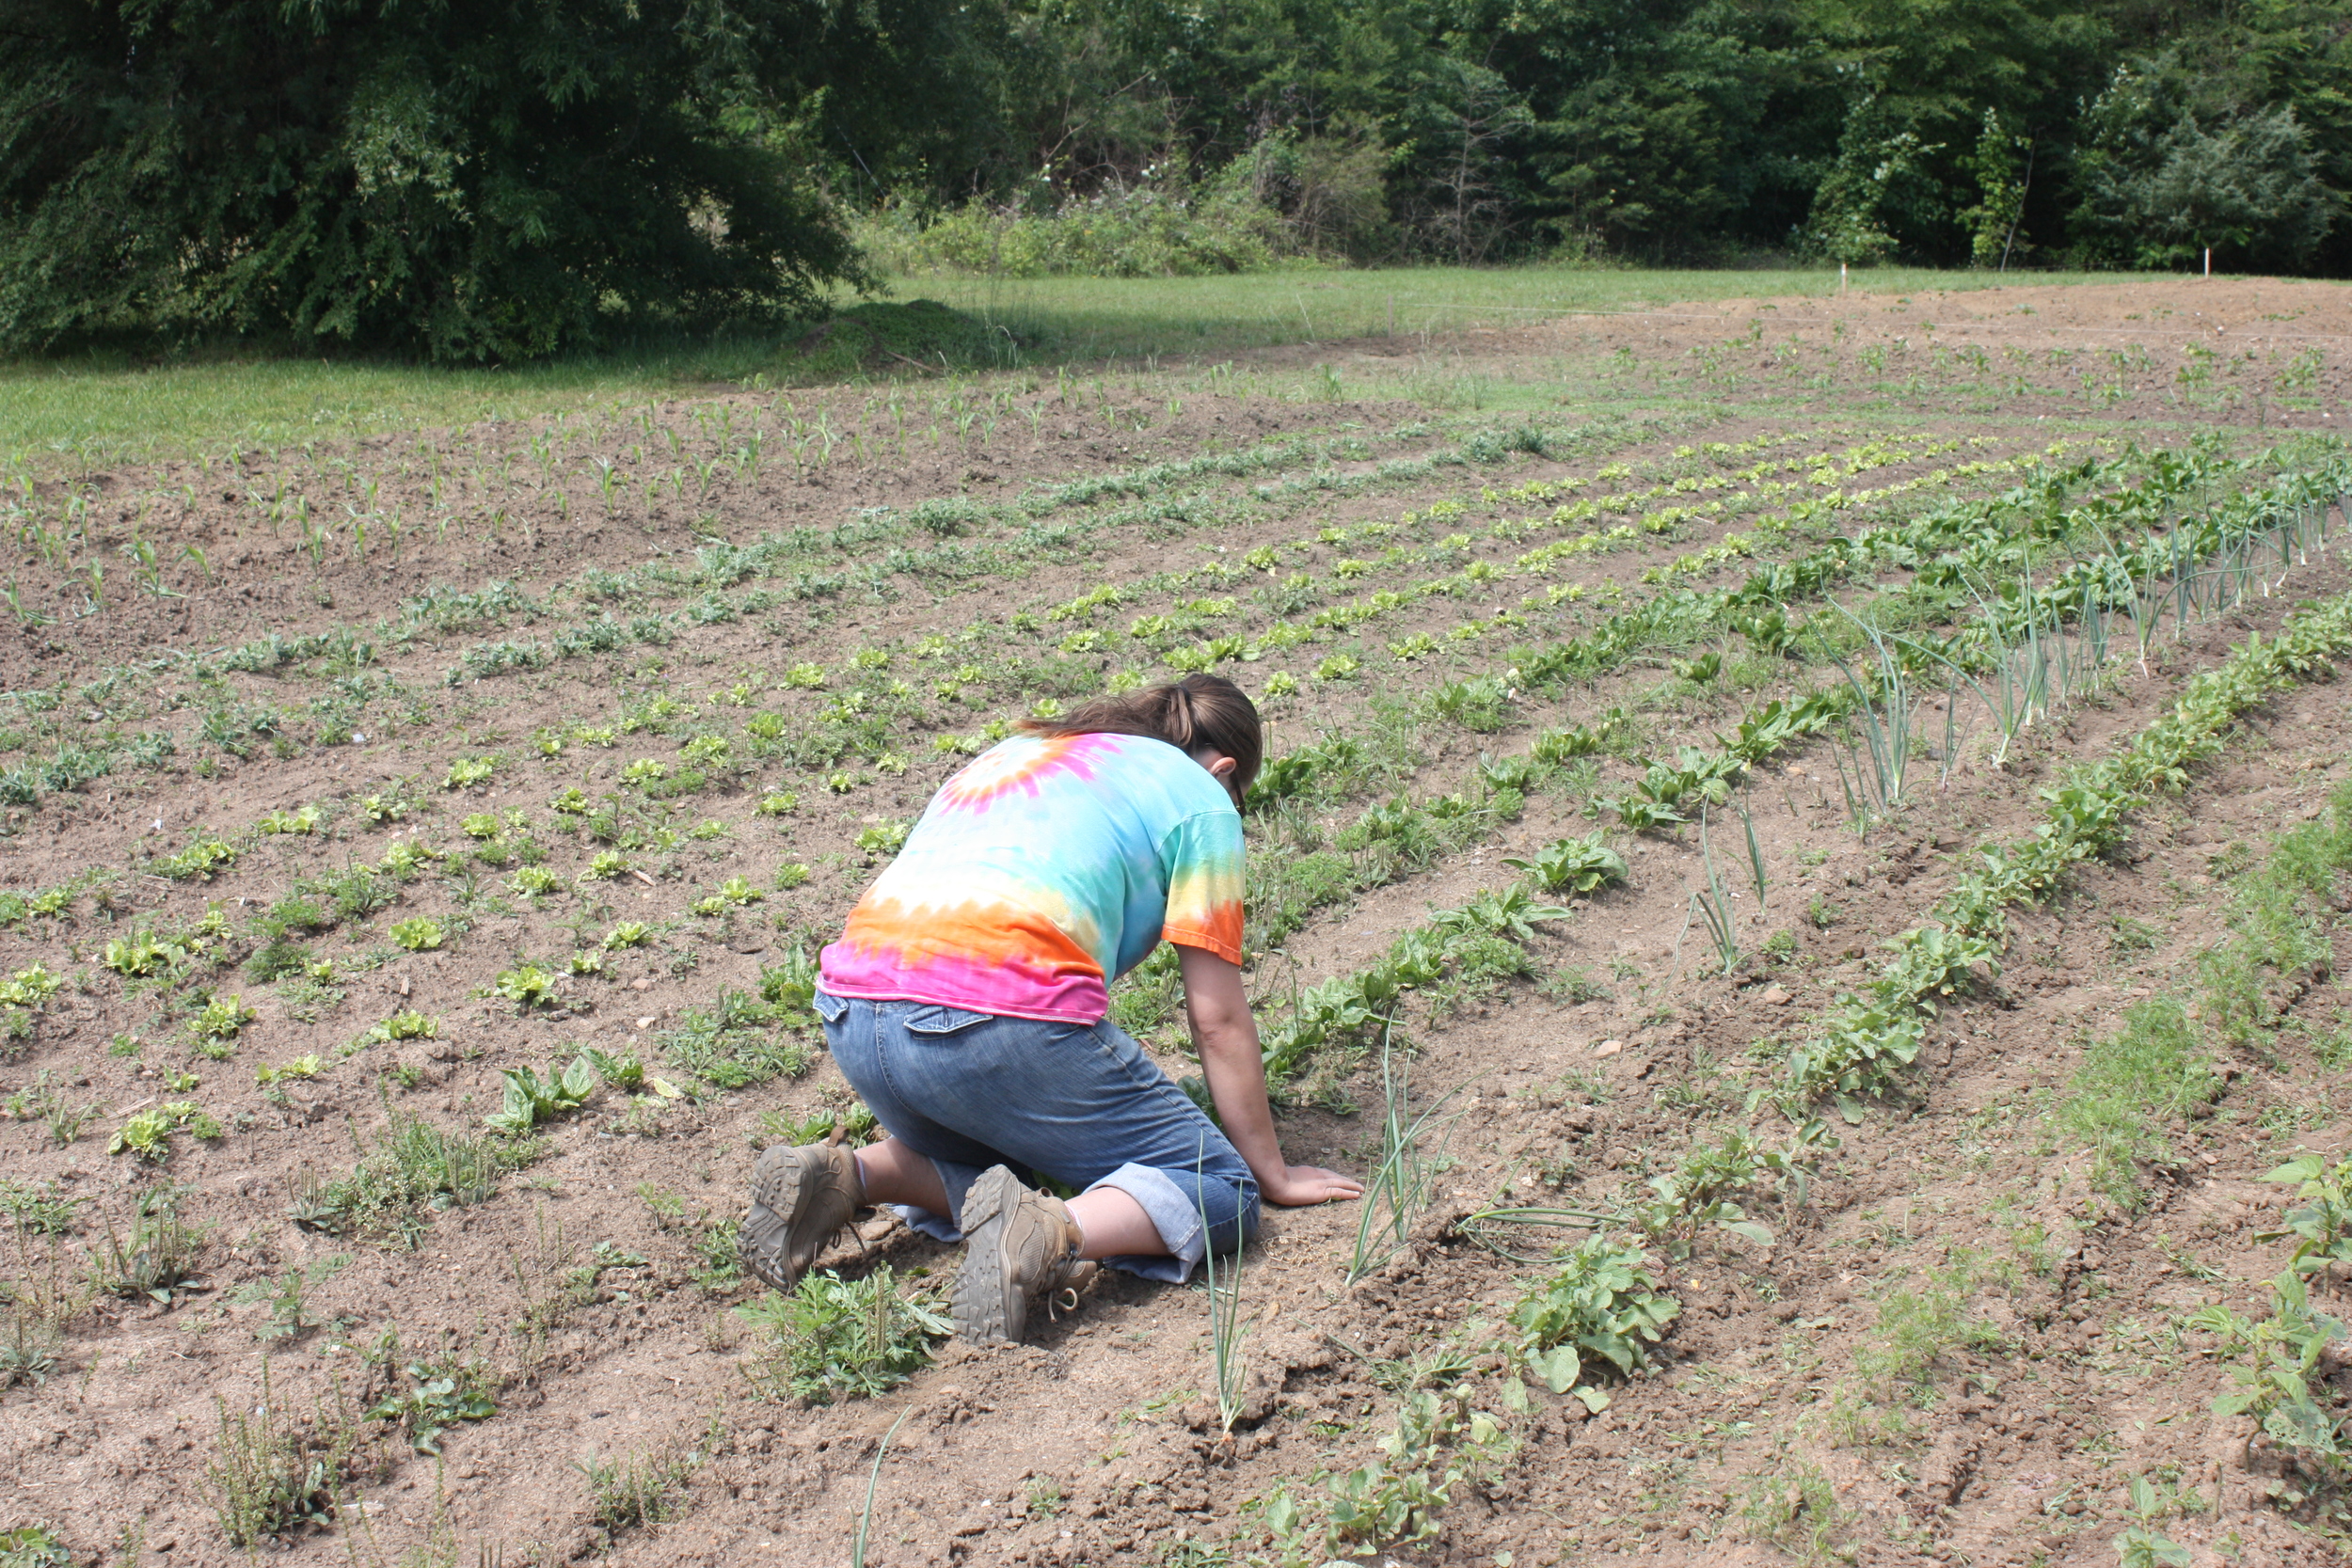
{"x":1665,"y":787}
{"x":364,"y":518}
{"x":208,"y":855}
{"x":776,"y":555}
{"x":1615,"y":639}
{"x":715,"y":566}
{"x":1863,"y":1047}
{"x":231,"y":725}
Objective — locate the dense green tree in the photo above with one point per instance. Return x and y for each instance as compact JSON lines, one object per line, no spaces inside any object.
{"x":500,"y":180}
{"x":1651,"y":121}
{"x":479,"y":181}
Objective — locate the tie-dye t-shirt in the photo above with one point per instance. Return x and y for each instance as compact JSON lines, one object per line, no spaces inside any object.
{"x":1042,"y":871}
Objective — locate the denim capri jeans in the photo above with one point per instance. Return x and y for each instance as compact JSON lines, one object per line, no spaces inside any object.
{"x":1078,"y":1102}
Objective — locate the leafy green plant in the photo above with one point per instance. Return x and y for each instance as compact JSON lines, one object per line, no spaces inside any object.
{"x":628,"y":933}
{"x":2141,"y":1545}
{"x":529,"y":1099}
{"x":199,"y":863}
{"x":28,"y":987}
{"x":791,"y":984}
{"x":527,"y":986}
{"x":1439,"y":1442}
{"x":623,"y":1073}
{"x":1566,"y":745}
{"x":466,"y":772}
{"x":383,"y":808}
{"x":220,"y":1019}
{"x":1572,"y":866}
{"x":436,"y":1399}
{"x":1696,"y":1195}
{"x":2320,"y":1219}
{"x":834,"y":1338}
{"x":148,"y":1134}
{"x":1637,"y":813}
{"x":2285,"y":1384}
{"x":358,"y":894}
{"x":406,"y":1025}
{"x":288,"y":1296}
{"x":1861,"y":1054}
{"x":884,"y":838}
{"x":1600,"y":1312}
{"x":34,"y":1547}
{"x":420,"y":935}
{"x":141,"y":954}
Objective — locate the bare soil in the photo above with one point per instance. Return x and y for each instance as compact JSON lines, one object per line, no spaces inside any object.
{"x":594,"y":1306}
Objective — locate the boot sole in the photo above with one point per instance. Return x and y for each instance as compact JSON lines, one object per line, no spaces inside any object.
{"x":986,"y":1307}
{"x":765,"y":1240}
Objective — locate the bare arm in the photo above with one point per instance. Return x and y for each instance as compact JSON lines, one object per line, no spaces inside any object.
{"x":1217,"y":1008}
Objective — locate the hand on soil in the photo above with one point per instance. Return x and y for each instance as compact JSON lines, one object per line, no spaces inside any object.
{"x":1301,"y":1185}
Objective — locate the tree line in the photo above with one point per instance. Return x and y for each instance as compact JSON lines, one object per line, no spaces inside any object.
{"x":508,"y":178}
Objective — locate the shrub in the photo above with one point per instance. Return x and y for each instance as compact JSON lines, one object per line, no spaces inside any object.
{"x":461,"y":204}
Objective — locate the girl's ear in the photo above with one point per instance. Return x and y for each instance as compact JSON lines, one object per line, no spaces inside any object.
{"x":1221,"y":769}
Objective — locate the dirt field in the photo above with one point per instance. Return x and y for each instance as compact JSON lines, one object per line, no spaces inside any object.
{"x":342,"y":784}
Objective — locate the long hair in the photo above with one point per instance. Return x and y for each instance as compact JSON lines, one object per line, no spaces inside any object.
{"x":1196,"y":714}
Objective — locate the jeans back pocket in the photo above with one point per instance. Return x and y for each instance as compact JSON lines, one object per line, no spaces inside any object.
{"x":934,"y":1020}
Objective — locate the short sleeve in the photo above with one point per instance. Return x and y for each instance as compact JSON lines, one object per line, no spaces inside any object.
{"x":1201,"y":856}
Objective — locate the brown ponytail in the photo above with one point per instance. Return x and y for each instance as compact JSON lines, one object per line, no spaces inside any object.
{"x":1196,"y":714}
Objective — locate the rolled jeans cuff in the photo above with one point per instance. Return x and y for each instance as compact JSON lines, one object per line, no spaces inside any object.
{"x":1170,"y":1210}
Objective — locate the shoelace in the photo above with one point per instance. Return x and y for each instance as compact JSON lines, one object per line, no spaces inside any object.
{"x":1060,"y":1297}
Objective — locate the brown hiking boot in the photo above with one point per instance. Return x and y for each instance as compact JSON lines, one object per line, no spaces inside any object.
{"x":1021,"y":1248}
{"x":801,"y":1198}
